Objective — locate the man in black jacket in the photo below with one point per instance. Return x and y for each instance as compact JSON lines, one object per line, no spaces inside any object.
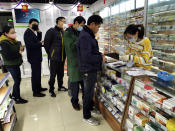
{"x":90,"y":62}
{"x":32,"y":38}
{"x":54,"y":46}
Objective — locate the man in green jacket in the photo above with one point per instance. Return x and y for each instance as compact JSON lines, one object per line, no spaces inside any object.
{"x":70,"y":39}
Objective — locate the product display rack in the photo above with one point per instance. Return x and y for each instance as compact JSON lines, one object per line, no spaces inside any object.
{"x":120,"y":21}
{"x":135,"y":102}
{"x":7,"y":110}
{"x":161,"y":31}
{"x":104,"y":36}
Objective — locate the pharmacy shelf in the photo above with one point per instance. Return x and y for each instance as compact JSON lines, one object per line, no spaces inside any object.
{"x":10,"y":108}
{"x":10,"y":126}
{"x":4,"y":94}
{"x":110,"y":106}
{"x":3,"y":78}
{"x":110,"y":118}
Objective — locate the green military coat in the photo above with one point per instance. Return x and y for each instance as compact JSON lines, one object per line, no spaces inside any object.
{"x":70,"y":40}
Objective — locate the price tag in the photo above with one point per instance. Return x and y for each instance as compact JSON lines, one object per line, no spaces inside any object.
{"x":110,"y":109}
{"x":113,"y":113}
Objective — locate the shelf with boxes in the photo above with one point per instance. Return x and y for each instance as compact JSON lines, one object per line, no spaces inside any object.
{"x":120,"y":21}
{"x":136,"y":102}
{"x":112,"y":94}
{"x":103,"y":36}
{"x":152,"y":108}
{"x":7,"y":109}
{"x":161,"y":31}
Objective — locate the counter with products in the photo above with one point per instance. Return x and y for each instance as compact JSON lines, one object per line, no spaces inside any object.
{"x":135,"y":99}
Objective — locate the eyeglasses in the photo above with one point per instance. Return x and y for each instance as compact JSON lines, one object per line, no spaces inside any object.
{"x":63,"y":21}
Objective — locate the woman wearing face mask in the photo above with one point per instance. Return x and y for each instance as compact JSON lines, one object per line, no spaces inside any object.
{"x":11,"y":51}
{"x":139,"y":51}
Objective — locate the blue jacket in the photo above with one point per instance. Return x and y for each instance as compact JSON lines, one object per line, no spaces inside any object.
{"x":33,"y":46}
{"x":90,"y":59}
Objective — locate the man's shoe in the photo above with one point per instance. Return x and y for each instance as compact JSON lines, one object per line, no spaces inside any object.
{"x":20,"y":101}
{"x":62,"y":89}
{"x":43,"y":89}
{"x":95,"y":112}
{"x":92,"y":121}
{"x":76,"y":107}
{"x":52,"y":94}
{"x":39,"y":95}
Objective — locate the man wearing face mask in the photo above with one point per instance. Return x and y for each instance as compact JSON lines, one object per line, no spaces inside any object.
{"x":75,"y":77}
{"x":32,"y":38}
{"x":54,"y":46}
{"x":90,"y":62}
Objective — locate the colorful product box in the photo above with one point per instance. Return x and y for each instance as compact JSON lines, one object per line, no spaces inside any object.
{"x":146,"y":107}
{"x":169,"y":104}
{"x":132,"y":111}
{"x":140,"y":119}
{"x":136,"y":101}
{"x":157,"y":98}
{"x":162,"y":117}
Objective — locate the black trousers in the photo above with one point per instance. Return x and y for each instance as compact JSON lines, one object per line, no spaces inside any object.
{"x":16,"y":75}
{"x":75,"y":87}
{"x":89,"y":84}
{"x":36,"y":76}
{"x":56,"y":69}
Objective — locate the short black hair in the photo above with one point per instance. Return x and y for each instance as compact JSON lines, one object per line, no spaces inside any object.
{"x":133,"y":29}
{"x":59,"y":18}
{"x":79,"y":19}
{"x":33,"y":20}
{"x":6,"y":29}
{"x":96,"y":19}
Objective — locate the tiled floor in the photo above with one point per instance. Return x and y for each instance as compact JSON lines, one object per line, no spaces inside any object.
{"x":51,"y":114}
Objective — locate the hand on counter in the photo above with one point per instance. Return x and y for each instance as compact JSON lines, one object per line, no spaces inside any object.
{"x":124,"y":58}
{"x":104,"y":58}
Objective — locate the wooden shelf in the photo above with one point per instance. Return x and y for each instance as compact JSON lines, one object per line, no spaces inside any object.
{"x":10,"y":108}
{"x":4,"y":93}
{"x":3,"y":78}
{"x":115,"y":125}
{"x":9,"y":126}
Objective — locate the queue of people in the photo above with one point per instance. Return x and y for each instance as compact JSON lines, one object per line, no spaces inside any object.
{"x":79,"y":45}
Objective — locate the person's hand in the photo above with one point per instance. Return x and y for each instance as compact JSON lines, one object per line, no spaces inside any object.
{"x":38,"y":30}
{"x":104,"y":58}
{"x":124,"y":58}
{"x":21,"y":49}
{"x":42,"y":42}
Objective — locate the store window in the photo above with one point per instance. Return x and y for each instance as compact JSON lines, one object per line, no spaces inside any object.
{"x":130,"y":5}
{"x":115,"y":9}
{"x":153,"y":2}
{"x":122,"y":7}
{"x":105,"y":12}
{"x":140,"y":3}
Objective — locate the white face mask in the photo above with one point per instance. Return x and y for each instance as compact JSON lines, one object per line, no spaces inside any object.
{"x":12,"y":36}
{"x":133,"y":40}
{"x":65,"y":26}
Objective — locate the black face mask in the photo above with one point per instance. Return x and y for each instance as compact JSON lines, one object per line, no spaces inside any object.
{"x":35,"y":27}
